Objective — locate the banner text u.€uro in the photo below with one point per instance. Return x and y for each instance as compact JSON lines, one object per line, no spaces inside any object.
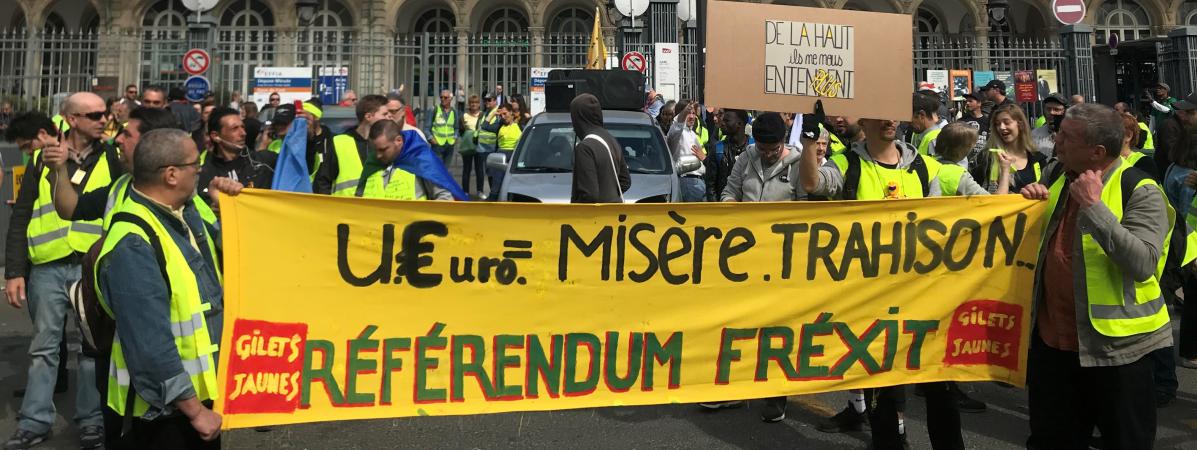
{"x":352,"y":309}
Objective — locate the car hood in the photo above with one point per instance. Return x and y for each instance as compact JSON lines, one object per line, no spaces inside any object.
{"x":556,"y":187}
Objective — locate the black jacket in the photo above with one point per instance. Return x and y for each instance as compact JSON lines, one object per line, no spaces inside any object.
{"x":16,"y":256}
{"x":600,"y":176}
{"x":253,"y":169}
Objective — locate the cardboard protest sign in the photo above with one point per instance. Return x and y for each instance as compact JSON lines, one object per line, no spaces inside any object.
{"x":393,"y":309}
{"x":783,"y":58}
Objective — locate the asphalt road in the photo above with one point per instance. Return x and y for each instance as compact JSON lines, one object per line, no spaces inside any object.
{"x":1003,"y":426}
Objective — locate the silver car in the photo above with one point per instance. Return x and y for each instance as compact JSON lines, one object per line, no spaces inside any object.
{"x":540,"y":170}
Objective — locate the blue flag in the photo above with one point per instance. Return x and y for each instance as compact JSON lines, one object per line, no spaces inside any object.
{"x":291,"y":170}
{"x":418,"y":159}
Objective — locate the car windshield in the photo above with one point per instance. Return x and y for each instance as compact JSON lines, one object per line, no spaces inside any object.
{"x":549,"y":148}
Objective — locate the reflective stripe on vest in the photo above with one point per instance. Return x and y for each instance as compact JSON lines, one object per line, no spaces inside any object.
{"x":187,"y":308}
{"x":444,"y":128}
{"x":928,"y":138}
{"x":949,"y":179}
{"x":1118,"y":305}
{"x":487,"y":137}
{"x":402,"y":186}
{"x":349,"y":166}
{"x":52,"y":238}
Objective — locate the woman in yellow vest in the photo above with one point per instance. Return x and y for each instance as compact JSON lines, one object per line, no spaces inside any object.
{"x":383,"y":180}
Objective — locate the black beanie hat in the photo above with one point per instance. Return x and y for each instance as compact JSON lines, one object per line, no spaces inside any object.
{"x":769,"y":128}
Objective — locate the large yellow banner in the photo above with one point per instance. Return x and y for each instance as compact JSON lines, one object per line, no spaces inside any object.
{"x":342,"y":309}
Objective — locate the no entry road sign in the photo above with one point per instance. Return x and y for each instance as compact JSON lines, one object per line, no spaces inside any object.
{"x":1069,"y":12}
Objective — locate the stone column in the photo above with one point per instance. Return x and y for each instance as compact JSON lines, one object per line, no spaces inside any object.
{"x":463,"y":61}
{"x":1077,"y":76}
{"x":537,"y":35}
{"x":981,"y":36}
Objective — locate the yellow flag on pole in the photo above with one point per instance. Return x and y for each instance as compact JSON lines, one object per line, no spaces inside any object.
{"x":596,"y":57}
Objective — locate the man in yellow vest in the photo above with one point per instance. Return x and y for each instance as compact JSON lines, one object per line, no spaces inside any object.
{"x":342,"y":167}
{"x":445,"y":128}
{"x":162,"y":375}
{"x":382,"y":179}
{"x":1099,"y":310}
{"x":925,"y":123}
{"x":43,"y":260}
{"x":882,"y":167}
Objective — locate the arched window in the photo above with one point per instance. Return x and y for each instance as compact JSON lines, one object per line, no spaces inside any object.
{"x":325,"y":41}
{"x":54,"y":22}
{"x":164,"y":40}
{"x":245,"y":40}
{"x":1188,"y":13}
{"x":247,"y":14}
{"x":436,"y":20}
{"x":1124,"y":17}
{"x":506,"y":20}
{"x":928,"y":23}
{"x":572,"y":21}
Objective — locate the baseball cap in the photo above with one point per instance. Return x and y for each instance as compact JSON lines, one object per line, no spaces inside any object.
{"x":994,"y":84}
{"x":1163,"y":85}
{"x":973,"y":96}
{"x":1186,"y":104}
{"x":1055,"y":97}
{"x":283,"y":115}
{"x":488,"y":96}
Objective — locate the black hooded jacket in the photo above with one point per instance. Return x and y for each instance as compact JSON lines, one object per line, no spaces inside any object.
{"x":600,"y":176}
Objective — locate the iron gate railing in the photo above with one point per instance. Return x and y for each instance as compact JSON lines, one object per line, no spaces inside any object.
{"x":1002,"y":53}
{"x":36,"y":66}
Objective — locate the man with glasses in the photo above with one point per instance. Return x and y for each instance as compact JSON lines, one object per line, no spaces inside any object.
{"x":445,"y":128}
{"x":267,"y":113}
{"x":131,"y":95}
{"x":349,"y":99}
{"x":174,"y":371}
{"x":153,"y":97}
{"x":42,"y":260}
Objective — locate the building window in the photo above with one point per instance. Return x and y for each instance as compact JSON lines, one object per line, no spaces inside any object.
{"x":928,"y":23}
{"x":247,"y":14}
{"x":437,"y":20}
{"x":331,"y":25}
{"x":506,"y":20}
{"x":1123,"y":17}
{"x":1188,"y":13}
{"x":573,"y":21}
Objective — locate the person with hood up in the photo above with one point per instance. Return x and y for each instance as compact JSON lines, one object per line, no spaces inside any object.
{"x":600,"y":173}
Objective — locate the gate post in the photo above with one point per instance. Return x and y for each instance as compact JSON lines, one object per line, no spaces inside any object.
{"x":537,"y":35}
{"x":463,"y":61}
{"x":1077,"y":42}
{"x":1183,"y":76}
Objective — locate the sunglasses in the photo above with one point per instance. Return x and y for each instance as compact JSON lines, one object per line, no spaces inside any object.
{"x":274,"y":99}
{"x":92,"y":116}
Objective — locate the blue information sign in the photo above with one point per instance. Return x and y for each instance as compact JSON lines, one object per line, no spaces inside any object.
{"x":197,"y":88}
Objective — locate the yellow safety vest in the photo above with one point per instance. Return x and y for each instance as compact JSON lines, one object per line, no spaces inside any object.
{"x":928,"y":138}
{"x":1111,"y":310}
{"x":188,"y":322}
{"x":876,"y":182}
{"x":949,"y":178}
{"x":701,"y":132}
{"x":119,"y":192}
{"x":444,"y":127}
{"x":401,"y":187}
{"x":486,"y":137}
{"x":509,"y":136}
{"x":1148,"y":144}
{"x":835,"y":144}
{"x":52,"y":238}
{"x":349,"y":166}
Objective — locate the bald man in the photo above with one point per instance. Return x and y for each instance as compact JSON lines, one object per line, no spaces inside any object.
{"x":42,"y":262}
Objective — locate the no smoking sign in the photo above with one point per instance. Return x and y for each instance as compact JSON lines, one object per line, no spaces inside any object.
{"x":634,"y":61}
{"x":196,"y":61}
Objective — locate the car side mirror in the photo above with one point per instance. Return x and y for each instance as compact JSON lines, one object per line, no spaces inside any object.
{"x":687,"y":164}
{"x":496,"y":161}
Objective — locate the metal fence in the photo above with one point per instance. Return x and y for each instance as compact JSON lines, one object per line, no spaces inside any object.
{"x":36,"y":66}
{"x":999,"y":54}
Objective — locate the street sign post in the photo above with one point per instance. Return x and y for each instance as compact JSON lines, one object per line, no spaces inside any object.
{"x":197,"y":87}
{"x":1069,"y":12}
{"x":634,"y":61}
{"x":196,"y":61}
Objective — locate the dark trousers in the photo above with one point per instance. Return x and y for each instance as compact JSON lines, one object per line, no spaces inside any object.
{"x":445,"y":152}
{"x":112,"y":421}
{"x":943,"y":417}
{"x":1163,"y":371}
{"x":173,"y":432}
{"x":1067,"y":401}
{"x":1188,"y":320}
{"x":477,"y":163}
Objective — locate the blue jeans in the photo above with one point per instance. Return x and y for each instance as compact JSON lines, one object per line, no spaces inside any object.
{"x":48,"y":307}
{"x":694,"y":189}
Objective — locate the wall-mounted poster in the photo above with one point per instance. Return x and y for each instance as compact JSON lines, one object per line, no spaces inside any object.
{"x":1025,"y":90}
{"x":982,"y":78}
{"x":962,"y":84}
{"x":937,"y":80}
{"x":1047,"y":83}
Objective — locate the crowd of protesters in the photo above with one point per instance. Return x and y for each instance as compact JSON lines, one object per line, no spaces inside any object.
{"x":116,"y":190}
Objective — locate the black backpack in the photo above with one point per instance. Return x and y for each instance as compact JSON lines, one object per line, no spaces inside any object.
{"x":95,"y":325}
